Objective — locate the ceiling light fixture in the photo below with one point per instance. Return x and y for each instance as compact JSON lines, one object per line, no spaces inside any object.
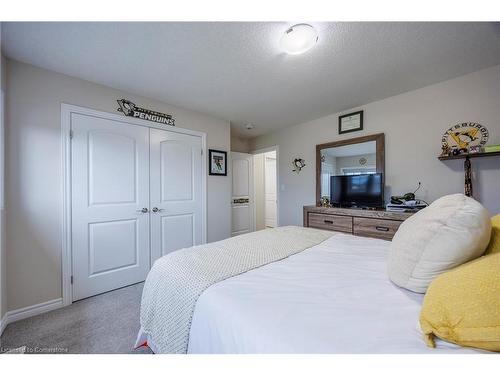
{"x":249,"y":126}
{"x":298,"y":39}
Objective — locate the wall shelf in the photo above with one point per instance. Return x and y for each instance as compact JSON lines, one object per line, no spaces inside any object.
{"x":468,"y":167}
{"x":464,"y":156}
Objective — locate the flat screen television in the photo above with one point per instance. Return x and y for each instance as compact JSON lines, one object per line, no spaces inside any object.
{"x":362,"y":190}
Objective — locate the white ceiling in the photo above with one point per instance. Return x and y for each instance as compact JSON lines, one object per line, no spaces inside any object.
{"x":236,"y":71}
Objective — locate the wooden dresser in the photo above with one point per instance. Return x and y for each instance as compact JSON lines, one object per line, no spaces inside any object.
{"x":368,"y":223}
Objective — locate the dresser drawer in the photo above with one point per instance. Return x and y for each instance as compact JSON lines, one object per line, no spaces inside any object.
{"x":378,"y":228}
{"x":331,"y":222}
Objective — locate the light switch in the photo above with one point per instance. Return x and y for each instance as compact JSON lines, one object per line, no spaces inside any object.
{"x":282,"y":187}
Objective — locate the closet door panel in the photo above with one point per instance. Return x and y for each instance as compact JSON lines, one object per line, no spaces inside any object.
{"x":112,"y":168}
{"x":176,"y":165}
{"x":109,"y":188}
{"x":177,"y":232}
{"x":176,"y":191}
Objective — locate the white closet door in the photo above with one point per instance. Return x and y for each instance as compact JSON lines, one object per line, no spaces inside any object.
{"x":242,"y":202}
{"x":110,"y":187}
{"x":176,"y":191}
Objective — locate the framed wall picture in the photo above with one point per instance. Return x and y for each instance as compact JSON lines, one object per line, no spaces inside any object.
{"x":217,"y":163}
{"x":351,"y":122}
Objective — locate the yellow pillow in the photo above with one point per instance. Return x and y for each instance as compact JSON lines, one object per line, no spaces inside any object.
{"x":494,"y":246}
{"x":463,"y":305}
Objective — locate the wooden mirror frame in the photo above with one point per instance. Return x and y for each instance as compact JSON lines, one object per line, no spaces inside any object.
{"x":379,"y":139}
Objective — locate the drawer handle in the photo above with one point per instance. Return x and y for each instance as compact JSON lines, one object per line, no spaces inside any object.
{"x":328,"y":221}
{"x":382,"y":229}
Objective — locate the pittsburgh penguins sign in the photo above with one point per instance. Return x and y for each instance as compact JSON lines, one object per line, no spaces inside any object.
{"x":130,"y":109}
{"x":464,"y":135}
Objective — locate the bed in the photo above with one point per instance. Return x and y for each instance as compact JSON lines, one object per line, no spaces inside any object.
{"x":334,"y":297}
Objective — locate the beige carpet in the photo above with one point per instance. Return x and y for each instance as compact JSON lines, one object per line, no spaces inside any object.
{"x":107,"y":323}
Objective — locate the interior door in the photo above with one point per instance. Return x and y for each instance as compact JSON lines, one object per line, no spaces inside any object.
{"x":242,"y":202}
{"x":110,"y":200}
{"x":270,"y":191}
{"x":176,"y":191}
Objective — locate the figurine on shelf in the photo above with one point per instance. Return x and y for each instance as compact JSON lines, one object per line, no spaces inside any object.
{"x":445,"y":149}
{"x":475,"y":149}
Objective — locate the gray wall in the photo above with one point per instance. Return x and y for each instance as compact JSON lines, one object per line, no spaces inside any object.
{"x":3,"y":273}
{"x":413,"y":124}
{"x":239,"y":144}
{"x":33,"y":170}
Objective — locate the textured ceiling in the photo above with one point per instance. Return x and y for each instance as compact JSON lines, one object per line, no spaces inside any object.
{"x":236,"y":71}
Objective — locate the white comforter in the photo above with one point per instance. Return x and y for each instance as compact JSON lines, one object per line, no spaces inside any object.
{"x":332,"y":298}
{"x":177,"y":280}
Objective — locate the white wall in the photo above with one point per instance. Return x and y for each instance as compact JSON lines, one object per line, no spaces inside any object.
{"x":3,"y":273}
{"x":33,"y":170}
{"x":413,"y":123}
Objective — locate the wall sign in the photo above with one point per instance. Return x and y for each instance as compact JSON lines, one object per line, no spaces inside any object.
{"x":298,"y":164}
{"x":463,"y":136}
{"x":130,"y":109}
{"x":351,"y":122}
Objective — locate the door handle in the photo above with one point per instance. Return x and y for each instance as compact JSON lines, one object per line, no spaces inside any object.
{"x":143,"y":210}
{"x":382,"y":229}
{"x":241,"y":200}
{"x":156,"y":209}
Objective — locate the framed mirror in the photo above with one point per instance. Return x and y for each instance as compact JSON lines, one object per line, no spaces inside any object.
{"x":355,"y":156}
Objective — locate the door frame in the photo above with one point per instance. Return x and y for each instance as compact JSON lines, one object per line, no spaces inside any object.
{"x":66,"y":111}
{"x":261,"y":151}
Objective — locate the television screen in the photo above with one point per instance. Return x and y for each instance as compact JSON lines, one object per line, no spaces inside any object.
{"x":364,"y":190}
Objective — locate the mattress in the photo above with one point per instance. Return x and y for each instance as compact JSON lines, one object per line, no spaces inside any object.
{"x":332,"y":298}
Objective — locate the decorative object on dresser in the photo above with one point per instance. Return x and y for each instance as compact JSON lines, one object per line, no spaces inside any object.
{"x":367,"y":223}
{"x":351,"y":122}
{"x":325,"y":202}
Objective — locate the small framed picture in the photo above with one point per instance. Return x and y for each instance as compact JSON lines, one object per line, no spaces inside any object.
{"x":217,"y":163}
{"x":351,"y":122}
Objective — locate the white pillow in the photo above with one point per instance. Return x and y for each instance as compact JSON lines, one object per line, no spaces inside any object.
{"x":452,"y":230}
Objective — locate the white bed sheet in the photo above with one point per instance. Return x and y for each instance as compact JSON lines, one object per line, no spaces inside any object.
{"x":332,"y":298}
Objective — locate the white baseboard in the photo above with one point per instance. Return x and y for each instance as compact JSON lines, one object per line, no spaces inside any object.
{"x":29,"y":311}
